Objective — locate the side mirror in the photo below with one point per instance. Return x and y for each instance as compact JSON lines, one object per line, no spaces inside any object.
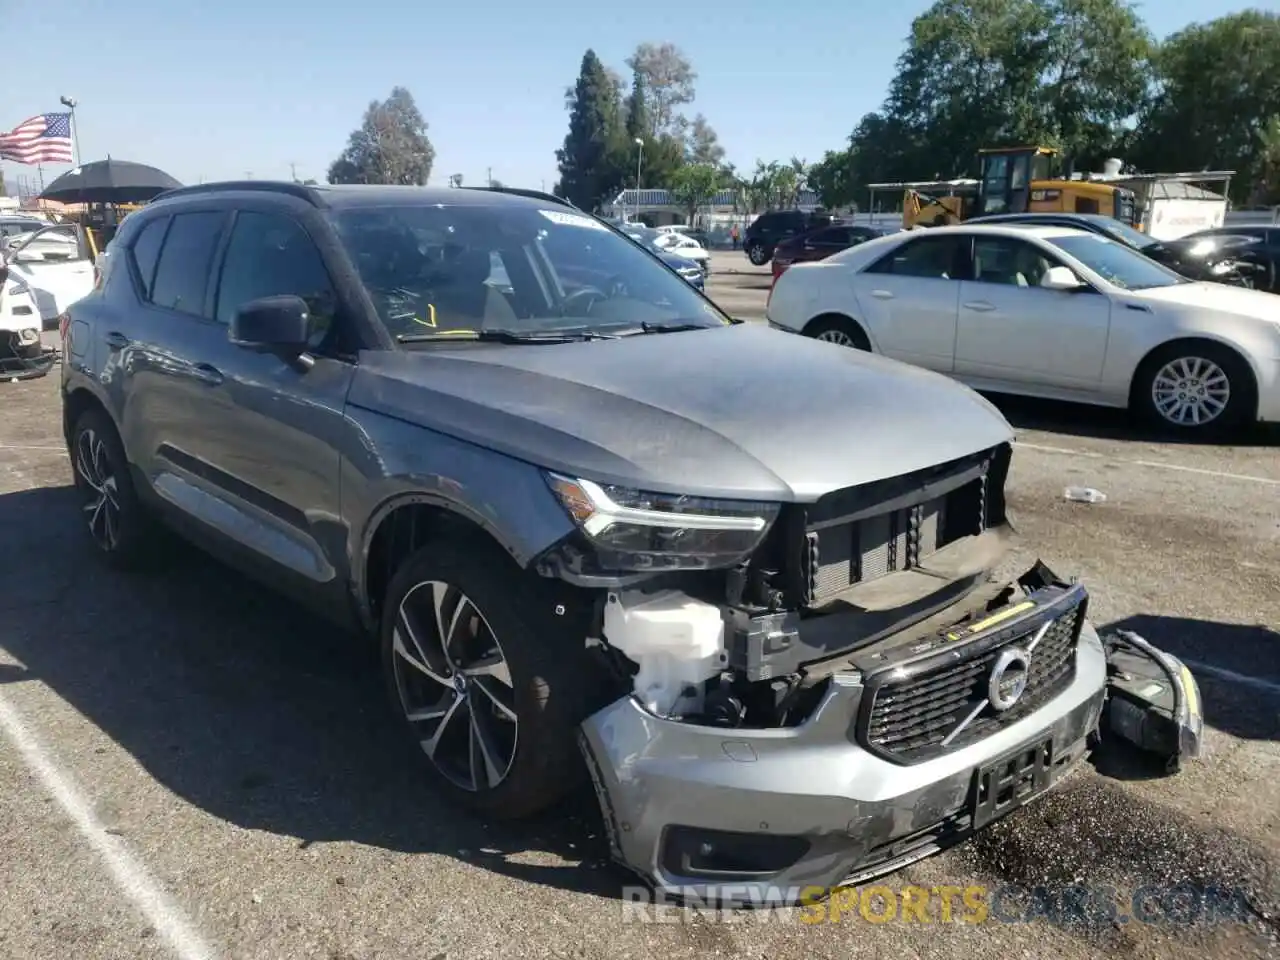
{"x":1061,"y":278}
{"x":277,"y":325}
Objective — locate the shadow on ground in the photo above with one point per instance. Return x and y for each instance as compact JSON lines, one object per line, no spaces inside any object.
{"x":1083,"y":420}
{"x":244,"y":706}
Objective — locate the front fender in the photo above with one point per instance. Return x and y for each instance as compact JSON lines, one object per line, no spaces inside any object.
{"x":401,"y":463}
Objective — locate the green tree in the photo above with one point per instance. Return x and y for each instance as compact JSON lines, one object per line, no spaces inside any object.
{"x":832,"y":179}
{"x":589,"y":172}
{"x":1268,"y":188}
{"x":391,"y":145}
{"x":981,"y":73}
{"x":638,"y":124}
{"x":669,"y":80}
{"x":704,"y":144}
{"x":1218,"y":86}
{"x":693,"y":186}
{"x":1096,"y":75}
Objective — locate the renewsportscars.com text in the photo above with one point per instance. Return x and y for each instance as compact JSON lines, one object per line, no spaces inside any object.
{"x":972,"y":904}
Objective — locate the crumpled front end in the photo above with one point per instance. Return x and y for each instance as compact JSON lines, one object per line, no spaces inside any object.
{"x":896,"y":761}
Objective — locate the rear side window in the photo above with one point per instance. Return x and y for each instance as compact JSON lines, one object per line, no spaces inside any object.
{"x":182,"y":275}
{"x":934,"y":258}
{"x":145,"y":252}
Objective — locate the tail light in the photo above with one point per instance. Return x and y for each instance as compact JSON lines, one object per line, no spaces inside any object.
{"x":64,"y":324}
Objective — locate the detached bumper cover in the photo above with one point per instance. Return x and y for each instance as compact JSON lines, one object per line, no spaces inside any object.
{"x":754,"y":815}
{"x":26,"y":363}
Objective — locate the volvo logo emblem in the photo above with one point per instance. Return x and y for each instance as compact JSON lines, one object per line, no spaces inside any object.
{"x":1008,"y":678}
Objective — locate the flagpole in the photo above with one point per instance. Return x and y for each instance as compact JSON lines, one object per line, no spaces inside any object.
{"x":70,"y":104}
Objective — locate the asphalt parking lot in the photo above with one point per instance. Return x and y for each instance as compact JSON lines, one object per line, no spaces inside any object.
{"x":190,"y":767}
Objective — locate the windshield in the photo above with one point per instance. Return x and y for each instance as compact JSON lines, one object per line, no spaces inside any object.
{"x":517,"y":268}
{"x":1119,"y":230}
{"x":1116,"y":263}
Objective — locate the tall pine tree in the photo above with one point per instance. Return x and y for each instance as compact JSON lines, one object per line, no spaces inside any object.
{"x":588,"y":173}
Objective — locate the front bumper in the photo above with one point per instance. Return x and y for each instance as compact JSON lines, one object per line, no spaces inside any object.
{"x":805,"y":808}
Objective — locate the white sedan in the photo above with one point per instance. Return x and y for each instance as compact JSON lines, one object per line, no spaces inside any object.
{"x":1047,"y":312}
{"x":687,"y":247}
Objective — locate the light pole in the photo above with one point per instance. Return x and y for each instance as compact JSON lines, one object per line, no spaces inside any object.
{"x":639,"y":161}
{"x":70,"y":104}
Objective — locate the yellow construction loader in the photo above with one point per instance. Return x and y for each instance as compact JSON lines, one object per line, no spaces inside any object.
{"x":1011,"y":180}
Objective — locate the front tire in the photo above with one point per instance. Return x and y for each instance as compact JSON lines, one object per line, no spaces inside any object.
{"x":841,"y":331}
{"x":757,"y":254}
{"x":1202,"y":389}
{"x":118,"y":525}
{"x":490,"y":685}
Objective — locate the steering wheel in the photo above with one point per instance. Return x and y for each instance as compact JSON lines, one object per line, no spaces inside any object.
{"x":591,"y":295}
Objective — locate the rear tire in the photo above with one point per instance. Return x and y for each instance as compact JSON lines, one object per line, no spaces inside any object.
{"x":119,"y":527}
{"x":489,"y":681}
{"x":1194,"y":388}
{"x":758,"y":255}
{"x":841,"y":331}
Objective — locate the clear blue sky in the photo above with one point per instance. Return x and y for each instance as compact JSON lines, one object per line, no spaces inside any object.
{"x":232,"y":87}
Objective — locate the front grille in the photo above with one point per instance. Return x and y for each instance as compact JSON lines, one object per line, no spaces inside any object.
{"x":909,"y":720}
{"x":857,"y":552}
{"x":845,"y":554}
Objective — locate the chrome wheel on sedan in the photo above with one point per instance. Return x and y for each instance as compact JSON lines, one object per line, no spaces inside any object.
{"x":98,"y":481}
{"x":839,"y":337}
{"x":455,"y":686}
{"x":1191,"y":391}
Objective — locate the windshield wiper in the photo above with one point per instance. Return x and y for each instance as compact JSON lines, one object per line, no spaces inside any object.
{"x":503,"y":336}
{"x":674,"y":327}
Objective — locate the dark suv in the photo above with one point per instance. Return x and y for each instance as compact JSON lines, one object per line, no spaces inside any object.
{"x":596,"y":527}
{"x":772,"y":228}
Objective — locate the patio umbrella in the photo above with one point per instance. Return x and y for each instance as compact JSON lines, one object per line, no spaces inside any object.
{"x":109,"y":181}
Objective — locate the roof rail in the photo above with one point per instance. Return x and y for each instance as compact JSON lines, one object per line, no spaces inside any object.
{"x":302,"y":191}
{"x":532,"y":194}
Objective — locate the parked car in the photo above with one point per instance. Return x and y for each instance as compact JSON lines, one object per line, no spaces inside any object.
{"x":22,"y":354}
{"x":691,"y":270}
{"x":820,"y":243}
{"x":768,"y":230}
{"x":1265,"y":254}
{"x":1047,"y":312}
{"x":684,"y":246}
{"x":1227,"y":255}
{"x":567,"y":543}
{"x":53,"y":261}
{"x":696,"y":233}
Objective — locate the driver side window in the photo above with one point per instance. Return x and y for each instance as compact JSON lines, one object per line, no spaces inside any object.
{"x":1010,"y":262}
{"x":269,"y":254}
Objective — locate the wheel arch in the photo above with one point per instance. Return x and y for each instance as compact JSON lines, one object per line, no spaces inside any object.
{"x":1191,"y":341}
{"x":75,"y":403}
{"x":836,"y":316}
{"x":403,"y":524}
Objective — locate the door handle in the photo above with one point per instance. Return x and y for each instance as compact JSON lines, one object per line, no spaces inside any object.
{"x":115,"y":340}
{"x":208,"y":374}
{"x":980,"y":305}
{"x":882,"y":294}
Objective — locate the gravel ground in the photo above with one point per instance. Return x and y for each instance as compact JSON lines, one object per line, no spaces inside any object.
{"x":188,"y":742}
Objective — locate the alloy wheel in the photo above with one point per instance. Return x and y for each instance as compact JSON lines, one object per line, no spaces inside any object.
{"x":837,"y":337}
{"x":454,"y":685}
{"x":102,"y":498}
{"x":1190,"y":391}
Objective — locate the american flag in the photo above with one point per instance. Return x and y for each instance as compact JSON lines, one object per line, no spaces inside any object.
{"x":42,"y":139}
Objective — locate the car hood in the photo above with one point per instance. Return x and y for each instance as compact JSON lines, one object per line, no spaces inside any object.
{"x":1216,"y":298}
{"x":741,"y":411}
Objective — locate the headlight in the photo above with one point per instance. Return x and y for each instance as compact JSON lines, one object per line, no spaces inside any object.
{"x":635,"y":530}
{"x":19,"y":287}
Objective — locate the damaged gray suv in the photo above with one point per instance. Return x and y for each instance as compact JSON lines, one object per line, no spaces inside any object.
{"x":741,"y":580}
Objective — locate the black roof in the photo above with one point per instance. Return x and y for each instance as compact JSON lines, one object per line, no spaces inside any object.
{"x":342,"y":196}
